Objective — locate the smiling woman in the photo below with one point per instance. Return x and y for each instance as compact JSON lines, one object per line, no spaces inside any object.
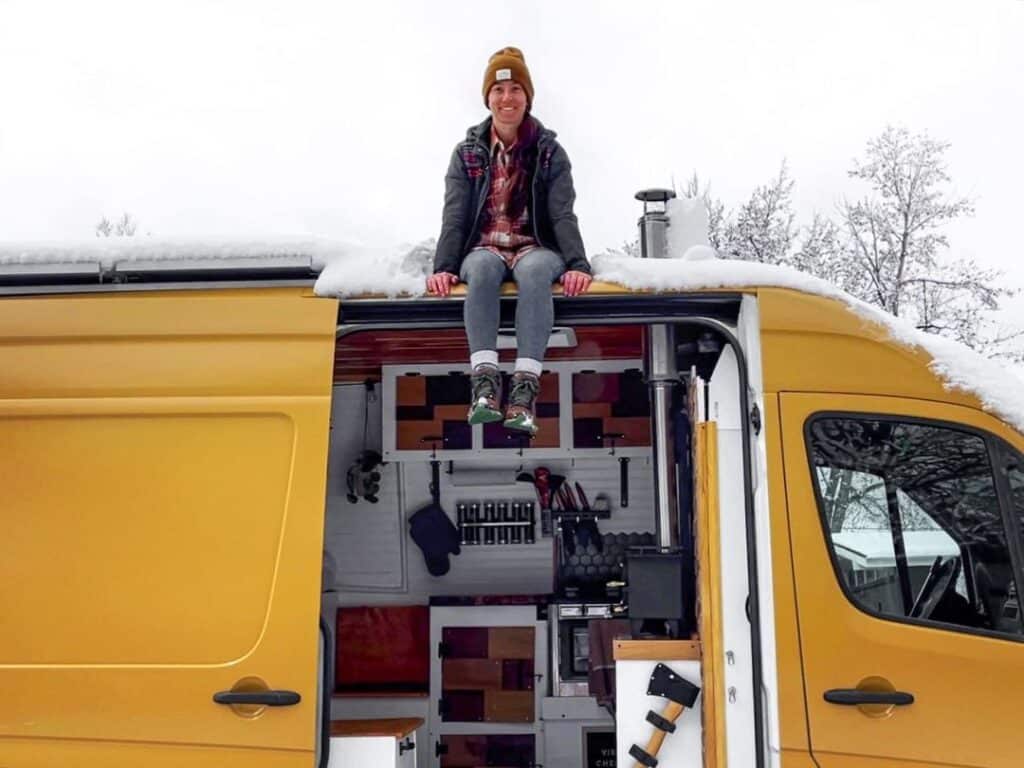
{"x":508,"y":214}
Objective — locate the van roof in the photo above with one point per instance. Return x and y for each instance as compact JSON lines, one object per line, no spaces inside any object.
{"x":348,"y":271}
{"x":106,"y":260}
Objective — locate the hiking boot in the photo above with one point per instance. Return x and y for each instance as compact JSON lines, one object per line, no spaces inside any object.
{"x":519,"y":414}
{"x":486,"y":404}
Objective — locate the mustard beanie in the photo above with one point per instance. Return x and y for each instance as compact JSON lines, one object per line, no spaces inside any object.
{"x":508,"y":64}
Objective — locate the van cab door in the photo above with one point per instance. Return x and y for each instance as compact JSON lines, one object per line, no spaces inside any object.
{"x":162,"y":474}
{"x":907,"y":567}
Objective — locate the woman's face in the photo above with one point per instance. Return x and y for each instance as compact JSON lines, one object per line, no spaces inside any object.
{"x":507,"y":102}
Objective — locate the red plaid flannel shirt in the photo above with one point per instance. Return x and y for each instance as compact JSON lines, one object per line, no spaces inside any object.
{"x":507,"y":238}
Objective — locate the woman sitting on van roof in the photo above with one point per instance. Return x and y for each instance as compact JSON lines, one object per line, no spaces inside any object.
{"x":508,"y":215}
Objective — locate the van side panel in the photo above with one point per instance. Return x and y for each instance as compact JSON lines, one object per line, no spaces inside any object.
{"x":163,"y":463}
{"x":815,"y":344}
{"x":199,"y":535}
{"x":29,"y":753}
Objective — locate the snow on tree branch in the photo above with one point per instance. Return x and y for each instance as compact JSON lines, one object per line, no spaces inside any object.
{"x":125,"y":226}
{"x":886,"y":247}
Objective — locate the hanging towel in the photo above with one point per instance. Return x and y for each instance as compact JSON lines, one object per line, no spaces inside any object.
{"x":600,"y":635}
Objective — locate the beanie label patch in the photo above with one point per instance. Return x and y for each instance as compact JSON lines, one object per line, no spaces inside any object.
{"x":503,"y":74}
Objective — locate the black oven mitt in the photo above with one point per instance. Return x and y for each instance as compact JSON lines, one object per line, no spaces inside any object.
{"x":436,"y":535}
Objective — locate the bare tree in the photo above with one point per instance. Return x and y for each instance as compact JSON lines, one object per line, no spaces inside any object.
{"x":820,"y":247}
{"x":125,"y":226}
{"x":898,"y":251}
{"x":764,"y":228}
{"x":887,"y":248}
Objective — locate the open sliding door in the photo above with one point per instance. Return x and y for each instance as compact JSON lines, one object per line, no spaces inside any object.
{"x":162,"y":466}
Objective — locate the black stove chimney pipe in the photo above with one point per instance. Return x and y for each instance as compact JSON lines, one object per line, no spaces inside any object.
{"x":661,"y":374}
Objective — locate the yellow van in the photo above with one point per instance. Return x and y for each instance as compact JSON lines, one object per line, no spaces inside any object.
{"x":208,"y":469}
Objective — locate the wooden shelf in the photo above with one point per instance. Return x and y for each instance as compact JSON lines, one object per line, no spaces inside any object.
{"x":397,"y":727}
{"x":656,"y":650}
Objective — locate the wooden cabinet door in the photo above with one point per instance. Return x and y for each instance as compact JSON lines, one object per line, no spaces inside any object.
{"x":488,"y":676}
{"x":488,"y":751}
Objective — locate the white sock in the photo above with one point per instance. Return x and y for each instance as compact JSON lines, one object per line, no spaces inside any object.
{"x":529,"y":365}
{"x":483,"y":357}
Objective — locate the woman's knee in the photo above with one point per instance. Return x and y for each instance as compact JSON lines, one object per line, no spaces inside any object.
{"x":482,"y":266}
{"x":540,"y":267}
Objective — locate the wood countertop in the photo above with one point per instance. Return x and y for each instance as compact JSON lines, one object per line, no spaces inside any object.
{"x":380,"y":695}
{"x":397,"y":727}
{"x":656,"y":650}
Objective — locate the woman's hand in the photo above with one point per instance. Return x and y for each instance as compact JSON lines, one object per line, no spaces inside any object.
{"x":574,"y":282}
{"x":441,"y":283}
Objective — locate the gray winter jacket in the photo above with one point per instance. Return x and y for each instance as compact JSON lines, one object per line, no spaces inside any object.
{"x":550,"y":200}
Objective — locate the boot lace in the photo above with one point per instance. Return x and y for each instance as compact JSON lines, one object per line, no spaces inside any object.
{"x":524,"y":391}
{"x":485,"y":384}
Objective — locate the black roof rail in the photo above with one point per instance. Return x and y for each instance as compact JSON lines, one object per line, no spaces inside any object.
{"x":70,"y":274}
{"x":432,"y":312}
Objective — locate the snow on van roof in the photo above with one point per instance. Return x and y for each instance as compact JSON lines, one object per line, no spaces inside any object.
{"x":350,"y":269}
{"x":959,"y":368}
{"x":109,"y":251}
{"x":1000,"y":390}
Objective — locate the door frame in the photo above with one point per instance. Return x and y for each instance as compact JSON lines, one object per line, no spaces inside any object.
{"x":713,"y":310}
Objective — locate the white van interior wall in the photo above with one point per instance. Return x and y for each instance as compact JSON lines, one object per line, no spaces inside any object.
{"x":347,"y":416}
{"x":363,"y":542}
{"x":724,"y":408}
{"x":354,"y":530}
{"x":517,"y":569}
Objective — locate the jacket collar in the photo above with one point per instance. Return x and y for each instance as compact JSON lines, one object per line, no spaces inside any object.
{"x":481,"y":134}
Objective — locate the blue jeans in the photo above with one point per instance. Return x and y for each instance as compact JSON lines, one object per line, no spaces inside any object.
{"x":483,"y":272}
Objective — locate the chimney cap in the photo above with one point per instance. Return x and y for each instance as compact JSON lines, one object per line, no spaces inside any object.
{"x":655,"y":195}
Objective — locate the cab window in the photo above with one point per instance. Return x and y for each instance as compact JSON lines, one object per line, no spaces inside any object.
{"x":1015,"y":476}
{"x":912,"y":516}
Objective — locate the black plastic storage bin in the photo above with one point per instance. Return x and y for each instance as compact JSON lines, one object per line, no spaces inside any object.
{"x":656,"y":584}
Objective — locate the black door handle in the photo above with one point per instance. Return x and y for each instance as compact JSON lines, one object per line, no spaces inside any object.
{"x":851,"y":697}
{"x":267,"y":698}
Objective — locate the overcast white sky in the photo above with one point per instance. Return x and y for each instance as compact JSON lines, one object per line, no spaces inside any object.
{"x":337,"y":119}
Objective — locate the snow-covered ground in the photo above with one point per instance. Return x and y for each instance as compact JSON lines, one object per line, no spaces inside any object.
{"x":348,"y":269}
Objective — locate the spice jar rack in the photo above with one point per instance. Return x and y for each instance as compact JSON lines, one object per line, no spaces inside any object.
{"x":492,"y":523}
